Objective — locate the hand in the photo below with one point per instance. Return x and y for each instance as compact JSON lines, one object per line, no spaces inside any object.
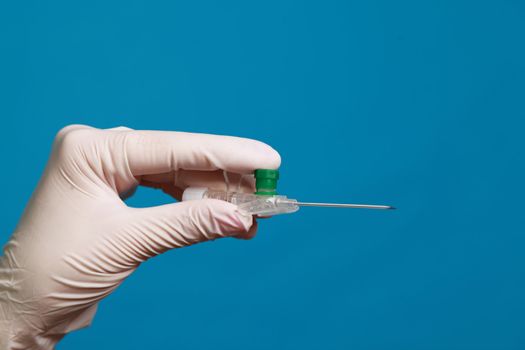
{"x":77,"y":240}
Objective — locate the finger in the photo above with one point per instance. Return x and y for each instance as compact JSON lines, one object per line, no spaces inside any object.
{"x":155,"y":230}
{"x":251,"y":232}
{"x":154,"y":152}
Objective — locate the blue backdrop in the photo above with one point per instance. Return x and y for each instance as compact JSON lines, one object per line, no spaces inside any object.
{"x":419,"y":104}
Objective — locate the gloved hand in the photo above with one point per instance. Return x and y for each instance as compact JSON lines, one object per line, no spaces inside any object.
{"x":77,"y":240}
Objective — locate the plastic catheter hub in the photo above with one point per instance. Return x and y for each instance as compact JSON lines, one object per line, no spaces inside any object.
{"x":261,"y":205}
{"x":266,"y":181}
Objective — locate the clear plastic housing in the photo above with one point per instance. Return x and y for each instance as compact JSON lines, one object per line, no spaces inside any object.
{"x":256,"y":204}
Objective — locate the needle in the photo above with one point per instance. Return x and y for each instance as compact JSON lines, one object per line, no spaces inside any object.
{"x":340,"y":205}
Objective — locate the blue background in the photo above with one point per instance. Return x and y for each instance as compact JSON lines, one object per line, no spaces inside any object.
{"x":415,"y":103}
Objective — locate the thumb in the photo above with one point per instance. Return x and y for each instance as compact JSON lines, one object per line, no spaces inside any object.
{"x":154,"y":230}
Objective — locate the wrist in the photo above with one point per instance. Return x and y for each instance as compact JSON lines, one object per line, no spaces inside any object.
{"x":19,"y":329}
{"x":16,"y":332}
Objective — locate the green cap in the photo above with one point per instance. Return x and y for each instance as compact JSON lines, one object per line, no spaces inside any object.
{"x":266,"y":181}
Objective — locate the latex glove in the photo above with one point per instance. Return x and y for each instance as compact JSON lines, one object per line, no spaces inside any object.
{"x":77,"y":240}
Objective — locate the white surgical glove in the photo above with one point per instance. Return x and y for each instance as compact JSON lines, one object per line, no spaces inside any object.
{"x":77,"y":240}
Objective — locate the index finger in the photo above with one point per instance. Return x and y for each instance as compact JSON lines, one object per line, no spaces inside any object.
{"x":154,"y":152}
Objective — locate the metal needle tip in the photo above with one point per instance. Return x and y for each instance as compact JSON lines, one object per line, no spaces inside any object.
{"x":342,"y":205}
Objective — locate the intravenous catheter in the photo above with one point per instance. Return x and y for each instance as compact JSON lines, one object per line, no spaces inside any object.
{"x":265,"y":201}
